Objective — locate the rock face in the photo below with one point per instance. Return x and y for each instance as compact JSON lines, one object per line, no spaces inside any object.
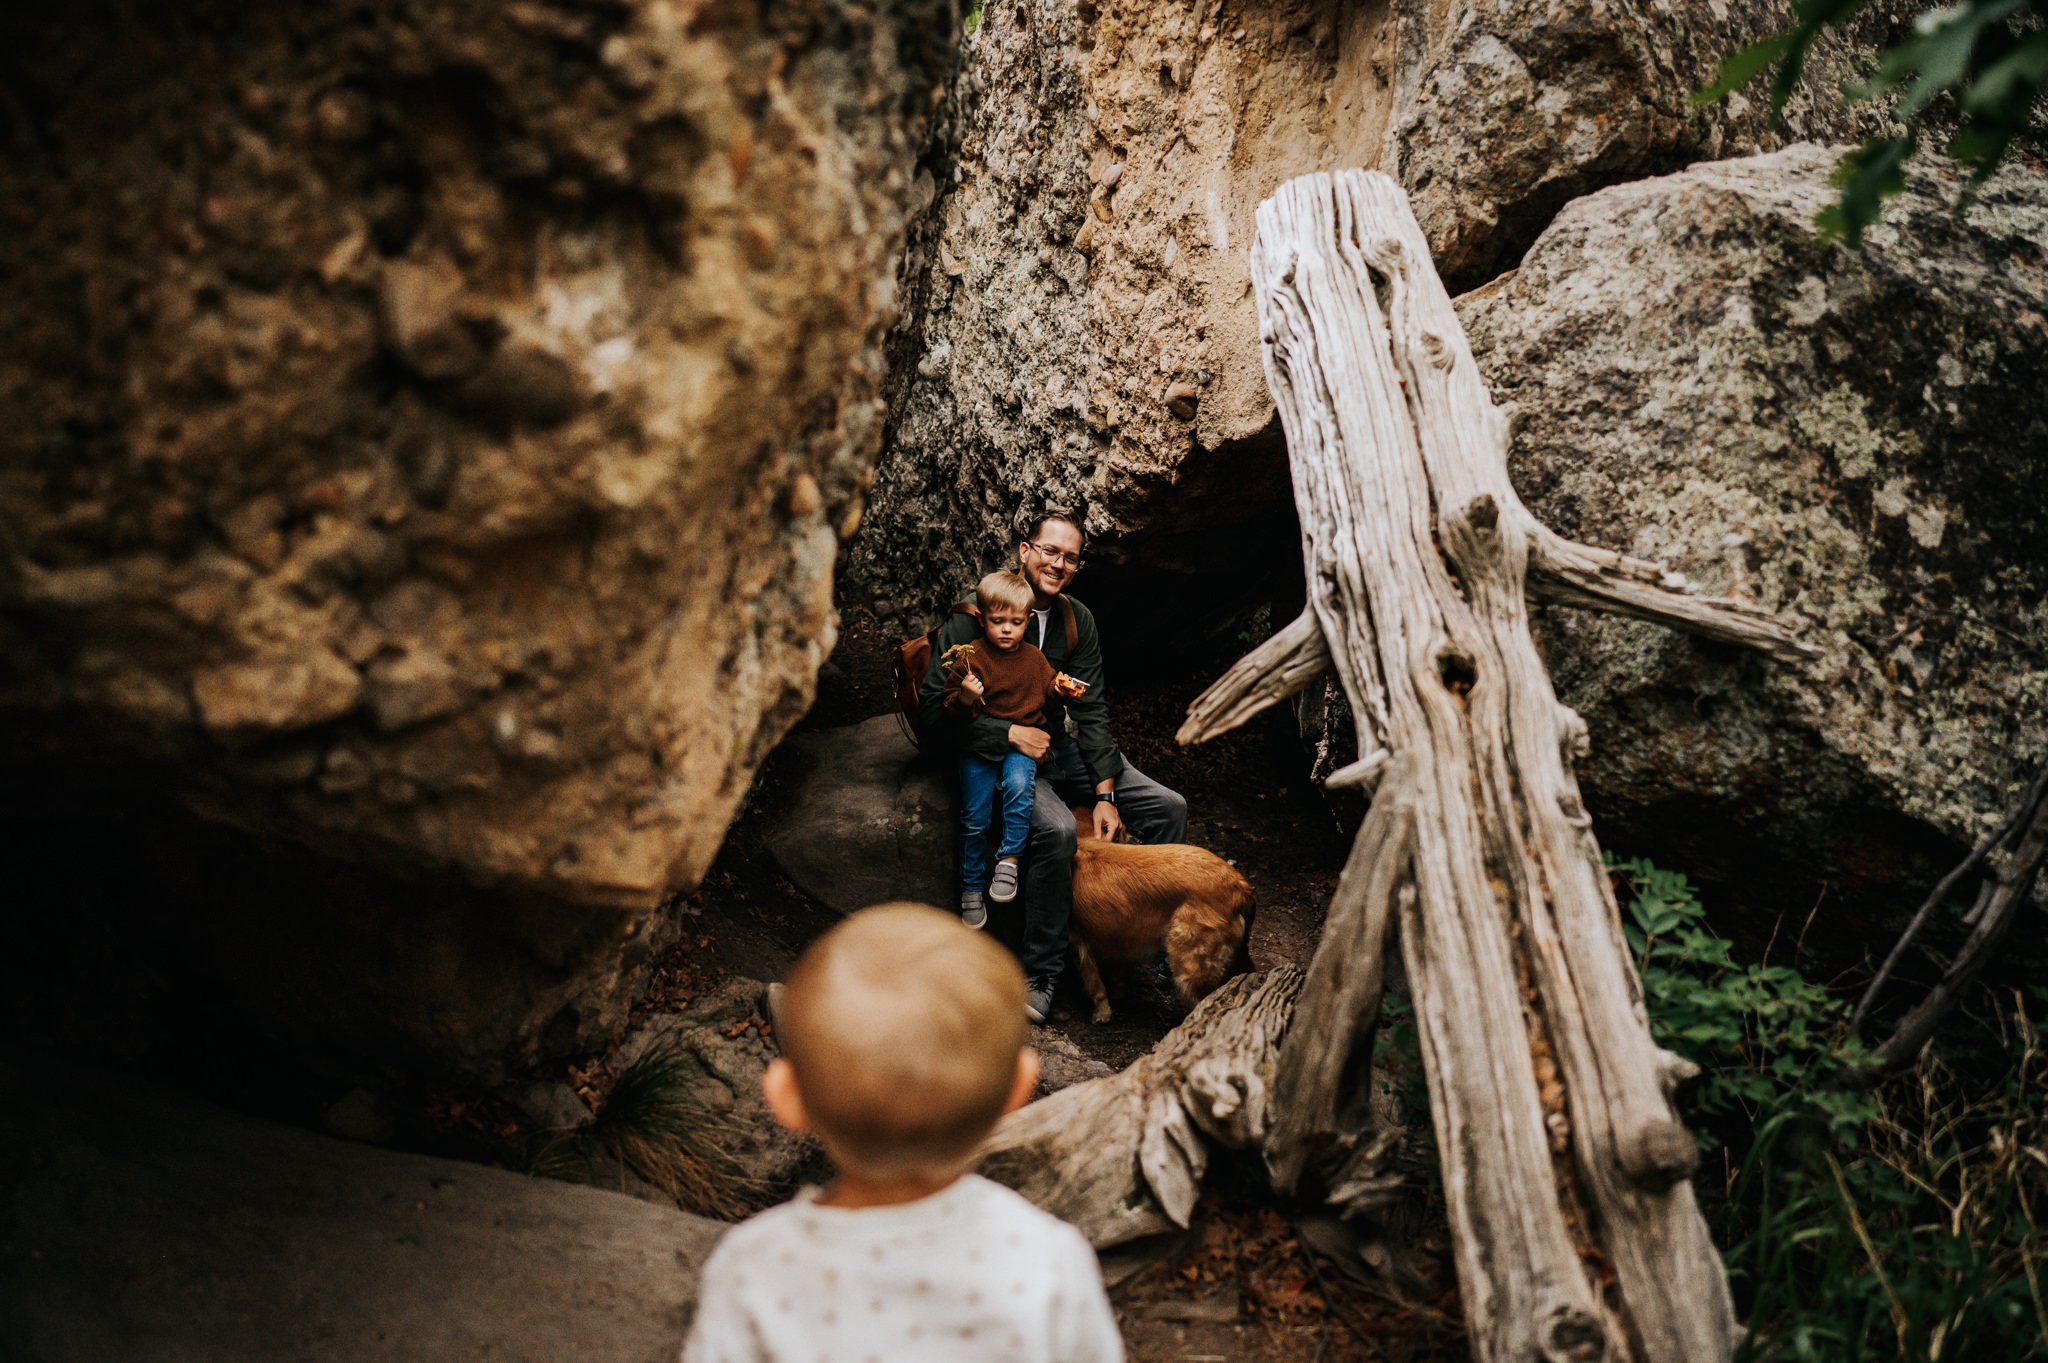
{"x":1854,"y":438}
{"x":868,"y":820}
{"x":427,"y":428}
{"x":1079,"y":329}
{"x":1504,"y":113}
{"x":160,"y":1229}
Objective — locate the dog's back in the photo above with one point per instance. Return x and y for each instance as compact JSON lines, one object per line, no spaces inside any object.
{"x":1129,"y":899}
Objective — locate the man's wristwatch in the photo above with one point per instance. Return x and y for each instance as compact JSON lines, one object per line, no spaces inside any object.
{"x":1105,"y":797}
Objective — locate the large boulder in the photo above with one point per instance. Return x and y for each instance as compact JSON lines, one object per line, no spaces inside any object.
{"x":144,"y":1227}
{"x":426,"y":431}
{"x":1858,"y":438}
{"x":865,"y":818}
{"x":1079,"y":328}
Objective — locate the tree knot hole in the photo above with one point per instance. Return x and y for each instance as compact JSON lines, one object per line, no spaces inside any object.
{"x":1572,"y":1334}
{"x":1384,"y":261}
{"x":1438,"y":353}
{"x":1658,"y":1154}
{"x":1458,"y":669}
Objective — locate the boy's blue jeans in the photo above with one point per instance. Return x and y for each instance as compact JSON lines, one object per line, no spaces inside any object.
{"x":1016,"y":776}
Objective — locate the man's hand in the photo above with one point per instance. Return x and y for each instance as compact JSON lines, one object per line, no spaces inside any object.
{"x":971,"y":684}
{"x":1108,"y":823}
{"x":1033,"y":743}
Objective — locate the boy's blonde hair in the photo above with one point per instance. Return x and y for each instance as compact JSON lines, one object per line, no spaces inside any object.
{"x":1004,"y":588}
{"x":902,"y":1029}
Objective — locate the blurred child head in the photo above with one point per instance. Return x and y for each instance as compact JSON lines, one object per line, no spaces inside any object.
{"x":902,"y":1041}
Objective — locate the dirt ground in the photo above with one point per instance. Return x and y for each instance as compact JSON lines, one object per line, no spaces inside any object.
{"x":1241,"y":1284}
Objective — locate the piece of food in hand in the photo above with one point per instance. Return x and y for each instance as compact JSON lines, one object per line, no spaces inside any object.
{"x":1070,"y":687}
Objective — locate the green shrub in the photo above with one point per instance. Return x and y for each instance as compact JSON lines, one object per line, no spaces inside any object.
{"x":1768,"y":1044}
{"x":1895,"y":1222}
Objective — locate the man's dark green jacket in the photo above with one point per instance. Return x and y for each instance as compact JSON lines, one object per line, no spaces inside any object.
{"x":990,"y":738}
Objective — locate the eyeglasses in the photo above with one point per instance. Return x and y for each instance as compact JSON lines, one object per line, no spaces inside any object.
{"x":1056,"y":556}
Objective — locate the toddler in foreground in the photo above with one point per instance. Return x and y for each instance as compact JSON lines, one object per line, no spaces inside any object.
{"x":903,"y":1041}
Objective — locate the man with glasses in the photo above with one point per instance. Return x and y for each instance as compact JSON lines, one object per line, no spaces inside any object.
{"x":1082,"y":769}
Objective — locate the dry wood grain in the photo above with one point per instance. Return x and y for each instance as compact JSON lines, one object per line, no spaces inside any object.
{"x":1565,"y":1167}
{"x":1123,"y":1157}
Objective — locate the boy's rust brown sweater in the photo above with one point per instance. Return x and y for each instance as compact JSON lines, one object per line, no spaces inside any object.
{"x":1017,"y":684}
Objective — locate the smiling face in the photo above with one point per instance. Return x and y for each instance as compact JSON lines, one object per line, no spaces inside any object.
{"x":1003,"y":626}
{"x":1050,"y":558}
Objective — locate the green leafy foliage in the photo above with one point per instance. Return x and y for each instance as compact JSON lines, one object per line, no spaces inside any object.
{"x":1896,"y":1222}
{"x":1256,"y":627}
{"x":1979,"y":64}
{"x":1766,"y":1041}
{"x":1402,"y":1056}
{"x":1923,"y":1245}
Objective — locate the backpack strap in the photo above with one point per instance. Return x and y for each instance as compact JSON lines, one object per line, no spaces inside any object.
{"x":1067,"y":619}
{"x":966,"y":608}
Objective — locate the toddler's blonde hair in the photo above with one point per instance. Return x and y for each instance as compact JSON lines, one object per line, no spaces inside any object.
{"x":902,"y":1028}
{"x":1004,"y":588}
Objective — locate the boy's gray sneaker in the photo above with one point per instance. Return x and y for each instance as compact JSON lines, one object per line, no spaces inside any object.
{"x":972,"y":913}
{"x":1038,"y":1002}
{"x":1002,"y":886}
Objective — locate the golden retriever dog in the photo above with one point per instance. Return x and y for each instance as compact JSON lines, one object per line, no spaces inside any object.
{"x":1132,"y":898}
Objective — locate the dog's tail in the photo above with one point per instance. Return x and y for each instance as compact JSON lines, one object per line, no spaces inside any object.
{"x":1208,"y":948}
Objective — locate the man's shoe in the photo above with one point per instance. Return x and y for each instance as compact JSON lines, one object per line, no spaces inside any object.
{"x":1038,"y":1002}
{"x":972,"y":912}
{"x":1002,"y":886}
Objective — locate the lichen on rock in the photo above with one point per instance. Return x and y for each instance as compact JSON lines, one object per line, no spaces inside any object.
{"x":1851,"y":437}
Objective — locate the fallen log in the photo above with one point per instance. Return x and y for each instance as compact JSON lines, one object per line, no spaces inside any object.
{"x":1123,"y":1157}
{"x":1566,"y":1169}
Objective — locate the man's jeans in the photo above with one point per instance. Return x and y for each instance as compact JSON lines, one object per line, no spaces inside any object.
{"x":1151,"y":811}
{"x":980,"y":779}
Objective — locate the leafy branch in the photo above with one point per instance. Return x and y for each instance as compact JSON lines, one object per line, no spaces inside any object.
{"x":1985,"y":59}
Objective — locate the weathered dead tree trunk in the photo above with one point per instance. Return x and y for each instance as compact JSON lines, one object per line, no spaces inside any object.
{"x":1565,"y":1166}
{"x":1123,"y":1157}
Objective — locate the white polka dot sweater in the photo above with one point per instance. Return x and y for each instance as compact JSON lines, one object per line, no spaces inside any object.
{"x":971,"y":1273}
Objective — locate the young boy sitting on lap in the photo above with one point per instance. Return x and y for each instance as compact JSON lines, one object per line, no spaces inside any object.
{"x":1001,"y":677}
{"x":903,"y":1041}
